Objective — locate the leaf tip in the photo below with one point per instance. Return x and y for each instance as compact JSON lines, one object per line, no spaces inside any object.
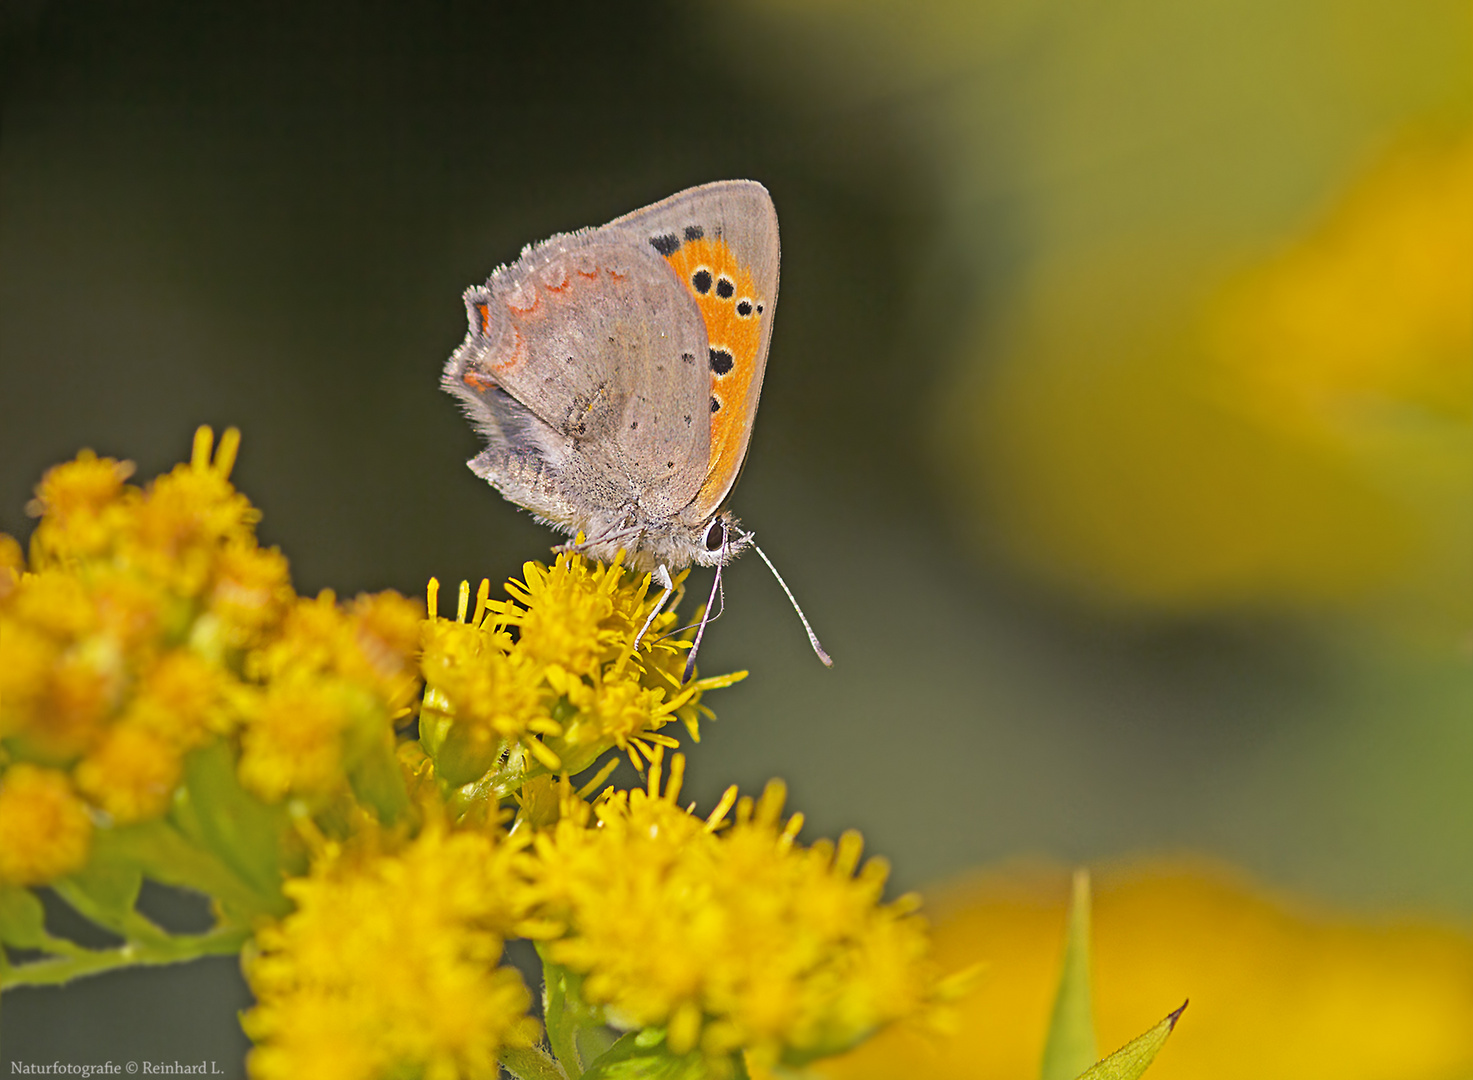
{"x":1173,"y":1017}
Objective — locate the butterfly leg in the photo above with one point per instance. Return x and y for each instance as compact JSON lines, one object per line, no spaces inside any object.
{"x":661,"y":578}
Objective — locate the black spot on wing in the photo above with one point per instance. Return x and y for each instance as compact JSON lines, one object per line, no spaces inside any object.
{"x":694,"y":232}
{"x":744,"y":308}
{"x":725,"y":289}
{"x":666,"y":245}
{"x":701,"y":281}
{"x":715,"y":405}
{"x":721,"y":361}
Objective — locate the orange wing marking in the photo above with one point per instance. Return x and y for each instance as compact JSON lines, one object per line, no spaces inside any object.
{"x":518,"y":352}
{"x":524,"y":301}
{"x":729,"y":305}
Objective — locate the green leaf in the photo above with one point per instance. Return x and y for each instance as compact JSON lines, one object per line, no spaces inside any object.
{"x":530,"y":1063}
{"x":108,"y":886}
{"x":238,"y":828}
{"x":564,"y":1013}
{"x":22,"y":918}
{"x":164,"y":854}
{"x":1070,"y":1048}
{"x":377,"y":782}
{"x":1131,"y":1060}
{"x":643,"y":1055}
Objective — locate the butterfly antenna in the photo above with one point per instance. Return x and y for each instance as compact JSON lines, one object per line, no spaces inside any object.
{"x":812,"y":637}
{"x":706,"y":617}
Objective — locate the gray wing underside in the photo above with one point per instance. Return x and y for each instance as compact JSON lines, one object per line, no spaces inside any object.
{"x":584,"y":369}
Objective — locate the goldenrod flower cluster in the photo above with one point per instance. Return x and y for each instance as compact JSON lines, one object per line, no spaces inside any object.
{"x":149,"y":624}
{"x":570,"y":685}
{"x":724,"y":930}
{"x":388,"y":964}
{"x":378,"y":801}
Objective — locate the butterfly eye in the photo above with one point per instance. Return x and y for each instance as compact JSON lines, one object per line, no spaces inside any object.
{"x":715,"y":536}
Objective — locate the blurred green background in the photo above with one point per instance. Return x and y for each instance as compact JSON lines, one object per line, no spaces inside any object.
{"x":1116,"y":433}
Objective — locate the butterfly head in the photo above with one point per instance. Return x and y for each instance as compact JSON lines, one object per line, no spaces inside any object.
{"x":722,"y":539}
{"x":713,"y":542}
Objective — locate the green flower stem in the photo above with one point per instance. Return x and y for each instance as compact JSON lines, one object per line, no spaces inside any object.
{"x":128,"y":924}
{"x":531,"y":1064}
{"x":225,"y":941}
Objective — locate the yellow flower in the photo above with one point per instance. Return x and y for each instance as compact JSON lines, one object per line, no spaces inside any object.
{"x":729,"y":934}
{"x":567,"y":612}
{"x":61,"y":674}
{"x":389,"y":964}
{"x":12,"y":565}
{"x":496,"y":698}
{"x":370,"y":643}
{"x":189,"y":516}
{"x":131,"y":774}
{"x":183,"y":699}
{"x":294,"y":741}
{"x":385,"y":632}
{"x":81,"y":509}
{"x":252,"y":591}
{"x":45,"y":830}
{"x":569,"y":687}
{"x":1297,"y":436}
{"x":105,"y":601}
{"x":1279,"y":991}
{"x":1368,"y":311}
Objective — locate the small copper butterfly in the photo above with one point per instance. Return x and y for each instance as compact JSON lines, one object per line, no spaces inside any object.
{"x":615,"y":372}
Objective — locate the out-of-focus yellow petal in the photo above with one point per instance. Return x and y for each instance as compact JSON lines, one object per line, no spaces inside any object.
{"x":1279,"y":990}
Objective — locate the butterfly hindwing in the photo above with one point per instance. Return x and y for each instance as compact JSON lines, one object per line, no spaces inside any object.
{"x":586,"y":359}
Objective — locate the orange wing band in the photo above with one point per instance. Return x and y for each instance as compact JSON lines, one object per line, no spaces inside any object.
{"x":733,"y":313}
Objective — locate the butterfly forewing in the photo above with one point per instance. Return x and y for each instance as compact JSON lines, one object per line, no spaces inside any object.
{"x":721,"y":240}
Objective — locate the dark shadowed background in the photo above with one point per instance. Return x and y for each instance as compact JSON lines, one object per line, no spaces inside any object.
{"x":1079,"y":605}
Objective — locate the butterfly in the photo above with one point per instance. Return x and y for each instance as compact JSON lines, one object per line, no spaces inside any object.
{"x":614,"y":373}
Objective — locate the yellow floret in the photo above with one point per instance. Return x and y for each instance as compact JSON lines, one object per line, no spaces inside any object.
{"x":81,"y":505}
{"x":294,"y":743}
{"x":45,"y":830}
{"x":131,"y":775}
{"x":569,"y":687}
